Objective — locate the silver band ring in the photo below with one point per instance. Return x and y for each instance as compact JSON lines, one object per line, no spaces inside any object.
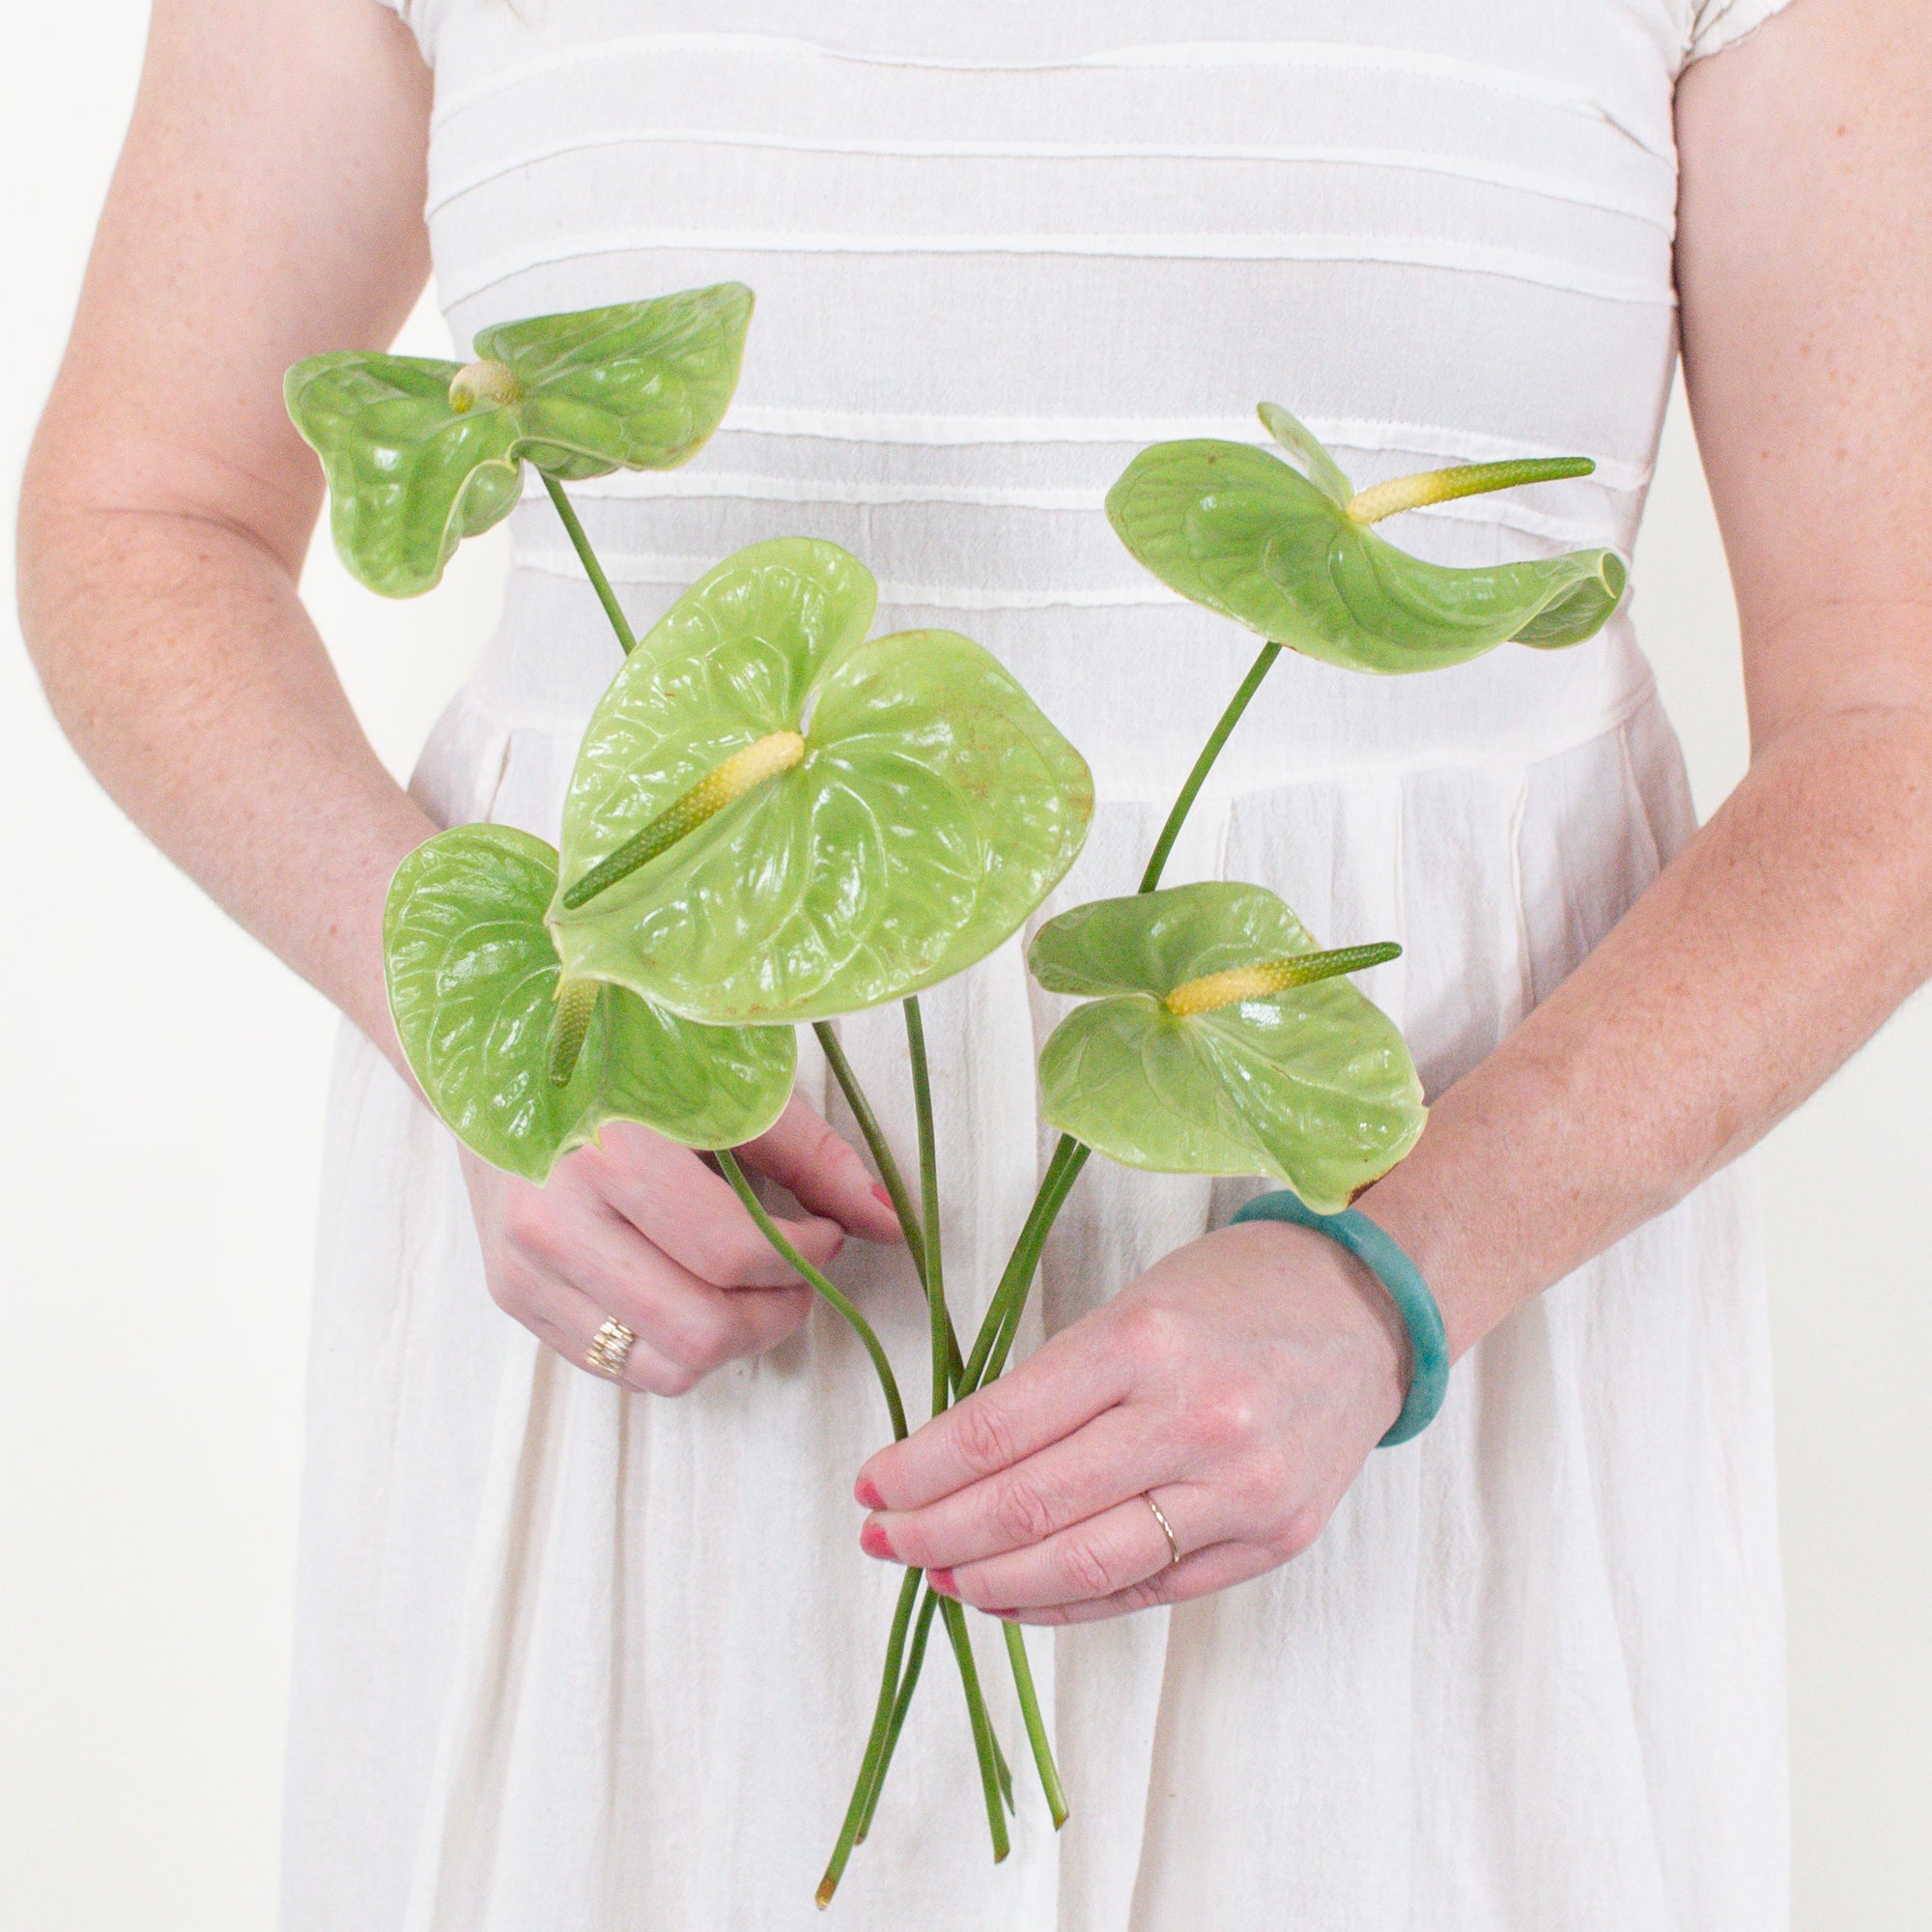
{"x":1166,"y":1529}
{"x":608,"y":1347}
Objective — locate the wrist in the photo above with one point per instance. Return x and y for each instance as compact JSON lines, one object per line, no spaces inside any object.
{"x":1372,"y":1245}
{"x":1454,"y":1231}
{"x":1308,"y":1269}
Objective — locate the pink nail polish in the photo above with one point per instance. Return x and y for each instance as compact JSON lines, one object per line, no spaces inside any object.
{"x":942,"y":1581}
{"x":881,"y":1195}
{"x":874,"y":1542}
{"x":866,"y":1493}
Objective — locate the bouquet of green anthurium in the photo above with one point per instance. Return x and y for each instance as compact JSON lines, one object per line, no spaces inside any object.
{"x":778,"y":818}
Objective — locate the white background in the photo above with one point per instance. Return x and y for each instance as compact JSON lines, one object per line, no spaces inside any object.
{"x":163,"y":1082}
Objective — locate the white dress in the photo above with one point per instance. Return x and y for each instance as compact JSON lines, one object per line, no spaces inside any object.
{"x":574,"y":1661}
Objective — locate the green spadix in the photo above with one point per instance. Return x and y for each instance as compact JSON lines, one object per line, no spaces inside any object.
{"x":1218,"y":1040}
{"x":1287,"y":549}
{"x":774,"y":817}
{"x":473,"y":986}
{"x":420,"y":454}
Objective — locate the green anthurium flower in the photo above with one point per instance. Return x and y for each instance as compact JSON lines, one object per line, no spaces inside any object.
{"x":1288,"y":552}
{"x":420,"y":454}
{"x":473,"y":986}
{"x":774,"y":818}
{"x":1219,"y":1040}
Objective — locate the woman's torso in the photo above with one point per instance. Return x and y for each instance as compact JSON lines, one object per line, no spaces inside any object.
{"x":999,"y":250}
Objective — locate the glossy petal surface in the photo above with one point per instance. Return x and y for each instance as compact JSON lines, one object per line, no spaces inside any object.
{"x":1240,"y":530}
{"x":473,"y":976}
{"x":638,"y":387}
{"x":407,"y":477}
{"x":1313,"y":1087}
{"x":935,"y":806}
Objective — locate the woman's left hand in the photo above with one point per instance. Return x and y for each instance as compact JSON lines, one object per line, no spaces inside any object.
{"x":1241,"y":1383}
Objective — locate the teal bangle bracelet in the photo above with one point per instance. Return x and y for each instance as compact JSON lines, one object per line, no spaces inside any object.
{"x":1381,"y":1254}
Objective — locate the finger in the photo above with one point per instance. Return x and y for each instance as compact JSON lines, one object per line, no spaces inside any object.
{"x":1123,"y":1546}
{"x":1218,"y":1567}
{"x":1114,"y":1456}
{"x":1068,"y":1383}
{"x":566,"y":1319}
{"x":681,"y":1207}
{"x":591,"y":1247}
{"x":689,"y":1320}
{"x":824,"y":1173}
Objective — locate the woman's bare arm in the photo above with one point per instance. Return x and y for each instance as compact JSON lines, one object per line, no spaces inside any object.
{"x":1798,"y":918}
{"x":268,"y":205}
{"x":1245,"y":1379}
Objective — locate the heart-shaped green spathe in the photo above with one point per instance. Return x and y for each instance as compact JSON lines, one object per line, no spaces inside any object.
{"x":473,"y":982}
{"x":1312,"y":1086}
{"x":928,"y":809}
{"x":420,"y":454}
{"x":1287,"y":552}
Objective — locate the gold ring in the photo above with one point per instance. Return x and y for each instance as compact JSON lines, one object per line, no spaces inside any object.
{"x":608,"y":1347}
{"x":1166,"y":1529}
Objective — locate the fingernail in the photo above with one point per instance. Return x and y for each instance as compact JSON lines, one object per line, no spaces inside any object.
{"x":874,"y":1542}
{"x":867,"y":1491}
{"x":882,"y":1194}
{"x":942,"y":1581}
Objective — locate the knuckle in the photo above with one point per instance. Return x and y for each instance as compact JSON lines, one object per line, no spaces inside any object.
{"x":1147,"y":1334}
{"x":527,"y":1221}
{"x":710,"y":1345}
{"x":1297,"y":1534}
{"x":1085,"y":1566}
{"x":675,"y":1378}
{"x":1264,"y":1483}
{"x":1020,"y":1512}
{"x":512,"y":1288}
{"x":982,"y":1435}
{"x":595,"y":1166}
{"x":823,"y":1147}
{"x":1229,"y":1418}
{"x":726,"y":1253}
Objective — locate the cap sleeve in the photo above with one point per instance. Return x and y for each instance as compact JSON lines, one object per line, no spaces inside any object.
{"x":1716,"y":25}
{"x":419,"y":17}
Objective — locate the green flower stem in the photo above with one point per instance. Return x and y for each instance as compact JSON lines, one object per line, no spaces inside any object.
{"x":875,"y":1138}
{"x":902,"y":1704}
{"x":997,"y":1309}
{"x":983,"y":1740}
{"x":1001,"y":1325}
{"x":1035,"y":1725}
{"x":996,"y":1337}
{"x":859,"y":1809}
{"x":1204,"y":764}
{"x":592,"y":569}
{"x":990,"y":1349}
{"x":933,"y":1272}
{"x":915,"y":1663}
{"x":888,"y":1169}
{"x":895,"y":1691}
{"x":1001,"y":1319}
{"x":727,"y":1163}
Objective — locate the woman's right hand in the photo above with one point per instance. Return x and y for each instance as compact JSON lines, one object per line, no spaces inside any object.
{"x":646,"y":1232}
